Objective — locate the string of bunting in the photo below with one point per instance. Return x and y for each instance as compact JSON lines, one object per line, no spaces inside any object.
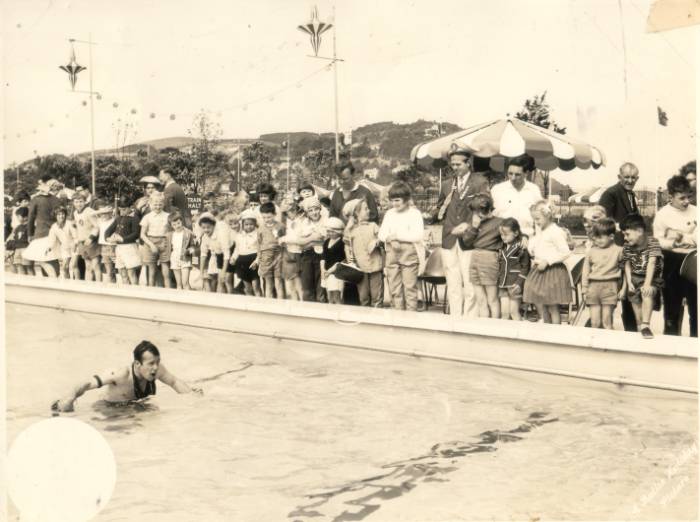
{"x":270,"y":97}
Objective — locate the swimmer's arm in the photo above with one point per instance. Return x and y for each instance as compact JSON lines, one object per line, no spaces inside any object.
{"x":175,"y":383}
{"x":107,"y":377}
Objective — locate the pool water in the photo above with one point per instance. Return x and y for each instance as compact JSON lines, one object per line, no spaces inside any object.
{"x":294,"y":431}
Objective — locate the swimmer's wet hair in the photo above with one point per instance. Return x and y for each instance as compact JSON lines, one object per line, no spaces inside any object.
{"x":143,"y":347}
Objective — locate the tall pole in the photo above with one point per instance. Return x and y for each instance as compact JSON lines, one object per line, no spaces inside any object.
{"x":92,"y":117}
{"x":335,"y":85}
{"x":289,"y":165}
{"x":238,"y":182}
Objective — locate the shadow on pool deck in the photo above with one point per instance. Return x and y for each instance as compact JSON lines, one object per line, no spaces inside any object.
{"x":367,"y":494}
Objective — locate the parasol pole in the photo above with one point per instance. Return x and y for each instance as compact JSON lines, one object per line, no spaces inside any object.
{"x":288,"y":162}
{"x":238,"y":179}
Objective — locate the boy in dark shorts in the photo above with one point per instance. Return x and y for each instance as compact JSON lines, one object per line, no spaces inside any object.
{"x":644,"y":265}
{"x":269,"y":260}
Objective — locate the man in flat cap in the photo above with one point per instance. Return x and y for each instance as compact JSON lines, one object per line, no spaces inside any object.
{"x":454,"y":212}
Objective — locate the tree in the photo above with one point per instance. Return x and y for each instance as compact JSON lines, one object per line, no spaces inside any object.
{"x":259,"y":163}
{"x":536,"y":110}
{"x":321,"y":166}
{"x":206,"y":162}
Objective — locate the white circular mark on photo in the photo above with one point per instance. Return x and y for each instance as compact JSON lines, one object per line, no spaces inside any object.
{"x":60,"y":469}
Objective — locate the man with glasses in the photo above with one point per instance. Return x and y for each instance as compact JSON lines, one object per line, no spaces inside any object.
{"x":619,"y":201}
{"x":514,"y":197}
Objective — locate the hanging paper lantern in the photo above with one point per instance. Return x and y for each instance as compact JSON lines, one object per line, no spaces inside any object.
{"x":133,"y":111}
{"x":115,"y":105}
{"x":84,"y":103}
{"x":153,"y":115}
{"x":172,"y":116}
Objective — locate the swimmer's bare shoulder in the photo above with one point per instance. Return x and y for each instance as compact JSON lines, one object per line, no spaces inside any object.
{"x":117,"y":381}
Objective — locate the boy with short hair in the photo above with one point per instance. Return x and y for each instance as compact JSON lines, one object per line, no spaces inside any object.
{"x":402,"y":233}
{"x":675,"y":226}
{"x":269,"y":260}
{"x":602,"y":278}
{"x":643,"y":270}
{"x":19,"y":241}
{"x":207,"y":249}
{"x":154,"y":234}
{"x":86,"y":246}
{"x":105,"y":219}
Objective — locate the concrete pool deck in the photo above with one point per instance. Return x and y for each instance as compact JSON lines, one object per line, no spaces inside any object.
{"x":600,"y":355}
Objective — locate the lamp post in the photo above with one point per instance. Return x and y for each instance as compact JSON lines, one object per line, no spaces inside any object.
{"x":315,"y":28}
{"x":73,"y":69}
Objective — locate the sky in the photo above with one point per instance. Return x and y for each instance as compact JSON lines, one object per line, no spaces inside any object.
{"x":460,"y":61}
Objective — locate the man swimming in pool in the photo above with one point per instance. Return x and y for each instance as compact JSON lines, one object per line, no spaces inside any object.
{"x":134,"y":382}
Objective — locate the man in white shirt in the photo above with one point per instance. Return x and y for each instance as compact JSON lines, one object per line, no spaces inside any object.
{"x":675,"y":227}
{"x":514,"y":197}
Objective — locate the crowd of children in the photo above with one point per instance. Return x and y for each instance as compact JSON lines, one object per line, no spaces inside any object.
{"x":296,"y":251}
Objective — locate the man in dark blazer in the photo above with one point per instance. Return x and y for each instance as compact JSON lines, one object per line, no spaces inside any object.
{"x":175,"y":198}
{"x":619,"y":201}
{"x":454,"y":212}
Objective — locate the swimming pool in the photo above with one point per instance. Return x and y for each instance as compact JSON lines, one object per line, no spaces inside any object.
{"x":312,"y":432}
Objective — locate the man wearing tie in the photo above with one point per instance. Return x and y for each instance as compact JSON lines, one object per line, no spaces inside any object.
{"x":620,"y":201}
{"x":454,"y":212}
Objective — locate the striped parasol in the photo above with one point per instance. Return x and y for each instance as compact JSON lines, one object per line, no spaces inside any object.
{"x":509,"y":138}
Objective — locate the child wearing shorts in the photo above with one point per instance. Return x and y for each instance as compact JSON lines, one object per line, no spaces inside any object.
{"x":644,"y":264}
{"x":86,"y":246}
{"x":333,"y":253}
{"x":207,"y":223}
{"x":219,"y":244}
{"x":483,"y":237}
{"x":513,"y":268}
{"x":182,"y":244}
{"x":154,"y":234}
{"x":245,"y":252}
{"x":291,"y":250}
{"x":123,"y":233}
{"x":269,"y":260}
{"x":231,"y":221}
{"x":19,"y":240}
{"x":107,"y":253}
{"x":61,"y":237}
{"x":601,"y":279}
